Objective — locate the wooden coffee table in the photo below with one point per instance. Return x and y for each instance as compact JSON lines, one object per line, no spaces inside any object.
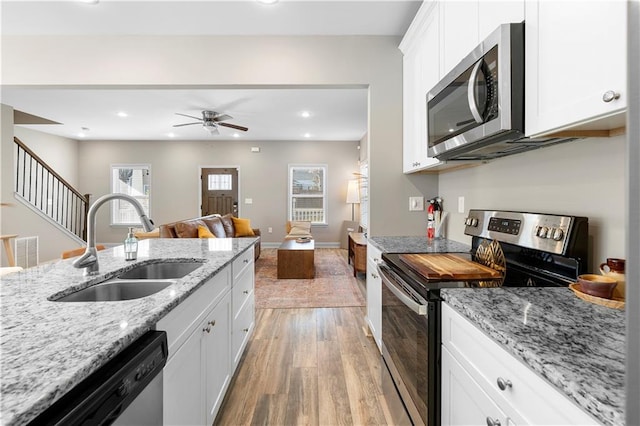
{"x":295,"y":260}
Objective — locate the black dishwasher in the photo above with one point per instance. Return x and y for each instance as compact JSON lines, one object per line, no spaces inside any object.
{"x":103,"y":396}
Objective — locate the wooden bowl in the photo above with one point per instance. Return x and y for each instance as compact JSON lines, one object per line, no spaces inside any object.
{"x":597,"y":285}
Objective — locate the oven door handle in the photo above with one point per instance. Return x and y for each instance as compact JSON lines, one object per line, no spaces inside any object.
{"x":418,"y":308}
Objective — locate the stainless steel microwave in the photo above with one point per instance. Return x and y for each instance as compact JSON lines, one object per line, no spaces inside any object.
{"x":477,"y":110}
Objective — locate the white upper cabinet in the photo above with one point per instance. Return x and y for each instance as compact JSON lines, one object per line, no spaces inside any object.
{"x":459,"y":32}
{"x":439,"y":37}
{"x":492,"y":14}
{"x":575,"y":56}
{"x":420,"y":73}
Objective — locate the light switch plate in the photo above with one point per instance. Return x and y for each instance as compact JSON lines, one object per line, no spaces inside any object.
{"x":460,"y":204}
{"x":416,"y":204}
{"x":248,"y":200}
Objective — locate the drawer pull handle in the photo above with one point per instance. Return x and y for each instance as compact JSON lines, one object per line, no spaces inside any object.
{"x":246,"y":261}
{"x":246,"y":292}
{"x":375,"y":276}
{"x":610,"y":95}
{"x":210,"y":324}
{"x":246,"y":330}
{"x":503,"y":384}
{"x":492,"y":422}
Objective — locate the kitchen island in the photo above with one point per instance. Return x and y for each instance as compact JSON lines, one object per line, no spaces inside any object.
{"x":49,"y":347}
{"x":576,"y":346}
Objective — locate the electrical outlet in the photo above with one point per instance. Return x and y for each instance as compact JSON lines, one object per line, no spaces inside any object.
{"x":460,"y":204}
{"x":270,"y":230}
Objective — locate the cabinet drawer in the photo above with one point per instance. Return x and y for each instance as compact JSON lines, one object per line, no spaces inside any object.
{"x":242,"y":290}
{"x":241,"y":262}
{"x":529,"y":396}
{"x":242,"y":328}
{"x":183,"y":319}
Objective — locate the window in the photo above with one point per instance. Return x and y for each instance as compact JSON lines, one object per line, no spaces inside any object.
{"x":133,"y":180}
{"x":308,"y":193}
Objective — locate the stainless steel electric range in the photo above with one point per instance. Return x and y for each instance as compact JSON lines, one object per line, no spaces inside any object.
{"x":534,"y":249}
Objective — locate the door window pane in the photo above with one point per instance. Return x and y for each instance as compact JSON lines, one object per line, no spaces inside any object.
{"x":220,"y":182}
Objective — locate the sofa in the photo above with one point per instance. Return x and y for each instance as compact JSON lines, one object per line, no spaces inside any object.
{"x":226,"y":226}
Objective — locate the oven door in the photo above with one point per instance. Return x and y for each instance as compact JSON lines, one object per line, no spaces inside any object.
{"x":411,"y":346}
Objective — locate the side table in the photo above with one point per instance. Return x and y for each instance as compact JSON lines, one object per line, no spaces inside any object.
{"x":358,"y":252}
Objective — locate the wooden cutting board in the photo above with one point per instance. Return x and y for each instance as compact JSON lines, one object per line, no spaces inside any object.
{"x":448,"y":267}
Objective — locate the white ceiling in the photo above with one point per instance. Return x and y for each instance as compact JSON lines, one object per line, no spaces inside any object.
{"x":270,"y":114}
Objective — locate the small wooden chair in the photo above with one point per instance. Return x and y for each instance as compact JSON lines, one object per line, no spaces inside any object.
{"x":77,"y":252}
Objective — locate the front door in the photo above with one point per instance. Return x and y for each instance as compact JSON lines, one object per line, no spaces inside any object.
{"x":219,"y":191}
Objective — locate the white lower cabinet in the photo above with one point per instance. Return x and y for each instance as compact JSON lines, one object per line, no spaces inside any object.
{"x":463,"y":400}
{"x":207,"y":334}
{"x":374,"y":294}
{"x":483,"y":384}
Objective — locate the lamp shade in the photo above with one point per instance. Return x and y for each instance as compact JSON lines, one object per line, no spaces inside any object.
{"x":353,"y":192}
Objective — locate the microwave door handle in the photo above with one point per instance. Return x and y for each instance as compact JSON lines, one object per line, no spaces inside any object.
{"x":410,"y":303}
{"x":471,"y":93}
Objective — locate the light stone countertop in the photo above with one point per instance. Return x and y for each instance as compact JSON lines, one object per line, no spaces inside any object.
{"x":48,"y":347}
{"x":415,"y":244}
{"x":577,"y":346}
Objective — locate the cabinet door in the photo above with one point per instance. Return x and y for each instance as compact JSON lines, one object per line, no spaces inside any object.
{"x":459,"y":30}
{"x":216,"y":349}
{"x":573,"y":56}
{"x":463,"y":401}
{"x":421,"y":73}
{"x":183,"y":393}
{"x":492,"y":14}
{"x":374,"y":294}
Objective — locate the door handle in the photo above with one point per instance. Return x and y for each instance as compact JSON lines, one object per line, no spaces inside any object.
{"x":471,"y":94}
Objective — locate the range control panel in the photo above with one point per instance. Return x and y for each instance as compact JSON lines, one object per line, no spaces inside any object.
{"x":533,"y":230}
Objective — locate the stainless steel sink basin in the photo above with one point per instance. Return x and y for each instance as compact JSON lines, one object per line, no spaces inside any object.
{"x":161,"y":271}
{"x":117,"y":290}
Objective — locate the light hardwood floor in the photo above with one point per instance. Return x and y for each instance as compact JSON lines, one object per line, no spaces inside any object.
{"x":307,"y":367}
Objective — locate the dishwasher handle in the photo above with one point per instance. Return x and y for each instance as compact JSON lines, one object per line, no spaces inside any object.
{"x":402,"y":290}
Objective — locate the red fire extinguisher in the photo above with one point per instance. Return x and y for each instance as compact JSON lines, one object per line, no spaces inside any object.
{"x":431,"y":221}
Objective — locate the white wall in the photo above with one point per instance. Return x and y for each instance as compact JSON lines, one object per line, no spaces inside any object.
{"x":58,"y":152}
{"x":16,"y":218}
{"x":580,"y":178}
{"x":175,"y":183}
{"x":163,"y":61}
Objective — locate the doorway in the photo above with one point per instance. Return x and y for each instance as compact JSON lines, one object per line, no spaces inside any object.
{"x":219,"y":189}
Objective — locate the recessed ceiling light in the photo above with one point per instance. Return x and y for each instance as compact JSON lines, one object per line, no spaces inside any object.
{"x":305,"y":114}
{"x":81,"y":135}
{"x":267,"y":1}
{"x":236,"y":135}
{"x":307,"y":135}
{"x":171,"y":135}
{"x":89,"y":1}
{"x":122,"y":114}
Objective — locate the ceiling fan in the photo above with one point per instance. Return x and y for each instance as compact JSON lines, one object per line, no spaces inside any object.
{"x":211,"y":120}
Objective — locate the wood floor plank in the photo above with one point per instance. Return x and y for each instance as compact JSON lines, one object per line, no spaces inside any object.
{"x":332,"y":389}
{"x":306,"y":367}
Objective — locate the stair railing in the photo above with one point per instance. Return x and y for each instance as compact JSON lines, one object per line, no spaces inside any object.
{"x":43,"y":188}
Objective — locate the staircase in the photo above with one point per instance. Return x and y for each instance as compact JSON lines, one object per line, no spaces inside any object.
{"x":48,"y":194}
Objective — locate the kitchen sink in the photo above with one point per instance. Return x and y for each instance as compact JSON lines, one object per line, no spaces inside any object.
{"x":161,"y":271}
{"x":117,"y":290}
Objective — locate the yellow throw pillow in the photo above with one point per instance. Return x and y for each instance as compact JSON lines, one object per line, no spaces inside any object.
{"x":203,"y":232}
{"x":243,"y":227}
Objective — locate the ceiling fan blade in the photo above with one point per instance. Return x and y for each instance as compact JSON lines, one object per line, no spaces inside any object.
{"x":190,"y":116}
{"x":233,"y":126}
{"x":185,"y":124}
{"x":222,"y":117}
